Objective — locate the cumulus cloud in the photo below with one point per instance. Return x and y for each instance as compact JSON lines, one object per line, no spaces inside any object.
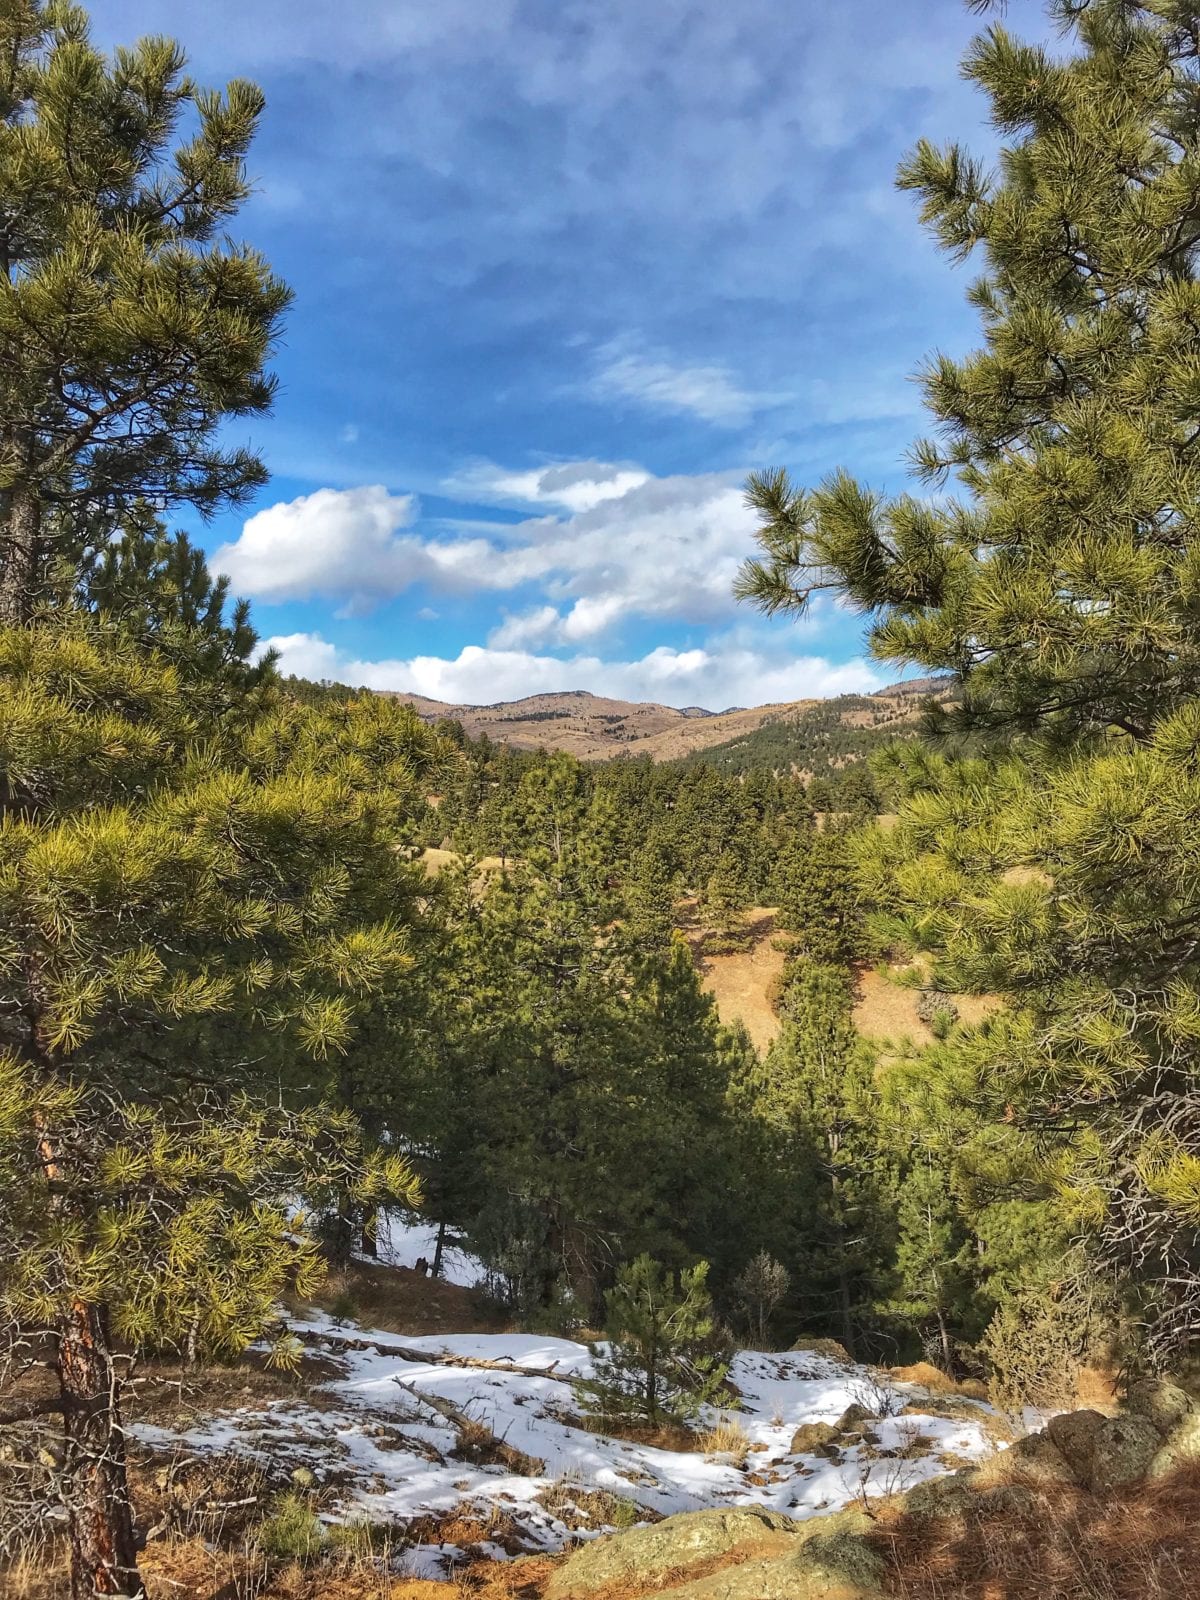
{"x":722,"y":674}
{"x":343,"y":544}
{"x":607,"y":560}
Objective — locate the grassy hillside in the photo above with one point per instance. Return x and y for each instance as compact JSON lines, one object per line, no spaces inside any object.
{"x":820,"y":739}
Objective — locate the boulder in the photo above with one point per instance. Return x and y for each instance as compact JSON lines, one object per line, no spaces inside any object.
{"x":1036,"y":1459}
{"x":853,"y":1417}
{"x":1181,"y":1445}
{"x":674,"y":1544}
{"x":1075,"y":1434}
{"x":823,"y":1558}
{"x":810,"y":1436}
{"x":1124,"y":1449}
{"x":1164,"y":1404}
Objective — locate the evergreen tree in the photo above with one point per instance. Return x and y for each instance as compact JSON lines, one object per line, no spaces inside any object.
{"x":192,"y":904}
{"x":129,"y":328}
{"x":1059,"y":586}
{"x":827,"y":1155}
{"x":661,"y":1363}
{"x":932,"y":1261}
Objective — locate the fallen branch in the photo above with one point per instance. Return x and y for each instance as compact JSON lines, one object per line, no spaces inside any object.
{"x":434,"y":1358}
{"x":476,"y":1441}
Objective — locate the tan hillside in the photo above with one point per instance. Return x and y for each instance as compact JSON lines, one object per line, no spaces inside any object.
{"x":593,"y":728}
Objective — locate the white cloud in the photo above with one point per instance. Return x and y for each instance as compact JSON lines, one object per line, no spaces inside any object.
{"x":344,"y":544}
{"x":656,"y":384}
{"x":637,"y":546}
{"x":571,"y":485}
{"x":726,"y":672}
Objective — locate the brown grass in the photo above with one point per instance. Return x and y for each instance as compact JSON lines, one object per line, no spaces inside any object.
{"x":1053,"y":1543}
{"x":884,"y":1010}
{"x":744,"y":982}
{"x":397,"y":1300}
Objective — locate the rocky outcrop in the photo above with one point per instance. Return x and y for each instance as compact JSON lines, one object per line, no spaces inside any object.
{"x":747,"y":1554}
{"x":753,"y":1554}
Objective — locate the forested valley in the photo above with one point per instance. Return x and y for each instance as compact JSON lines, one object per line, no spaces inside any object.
{"x":289,"y":975}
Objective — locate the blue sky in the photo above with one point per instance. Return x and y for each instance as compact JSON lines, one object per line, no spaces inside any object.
{"x":566,"y":270}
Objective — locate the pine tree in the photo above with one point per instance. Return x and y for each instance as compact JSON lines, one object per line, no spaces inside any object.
{"x":932,"y":1261}
{"x":194,"y":906}
{"x":827,"y":1155}
{"x":661,"y":1363}
{"x":129,"y":328}
{"x":1059,"y":585}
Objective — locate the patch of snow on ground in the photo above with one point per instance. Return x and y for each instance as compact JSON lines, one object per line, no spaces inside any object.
{"x":387,"y":1456}
{"x":402,"y":1241}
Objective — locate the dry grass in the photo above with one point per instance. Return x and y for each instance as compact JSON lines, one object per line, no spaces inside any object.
{"x":745,"y":982}
{"x":728,"y":1438}
{"x":884,"y":1010}
{"x":1053,"y":1543}
{"x":396,"y":1300}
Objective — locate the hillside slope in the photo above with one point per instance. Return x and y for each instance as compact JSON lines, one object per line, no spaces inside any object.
{"x":594,"y":728}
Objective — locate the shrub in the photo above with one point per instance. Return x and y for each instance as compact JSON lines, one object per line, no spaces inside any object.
{"x":663,"y":1360}
{"x":293,"y":1531}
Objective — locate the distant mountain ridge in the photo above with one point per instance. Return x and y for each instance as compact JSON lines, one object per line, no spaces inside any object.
{"x":597,"y":728}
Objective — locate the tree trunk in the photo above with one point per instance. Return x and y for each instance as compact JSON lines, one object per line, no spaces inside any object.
{"x":103,"y":1546}
{"x":439,"y":1251}
{"x":944,"y":1341}
{"x":19,"y":551}
{"x":370,"y":1231}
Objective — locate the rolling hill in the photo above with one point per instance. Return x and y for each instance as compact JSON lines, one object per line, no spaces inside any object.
{"x":598,"y":729}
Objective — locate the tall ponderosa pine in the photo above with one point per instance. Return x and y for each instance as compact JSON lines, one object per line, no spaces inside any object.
{"x":191,"y":905}
{"x":129,"y":327}
{"x":1062,"y":586}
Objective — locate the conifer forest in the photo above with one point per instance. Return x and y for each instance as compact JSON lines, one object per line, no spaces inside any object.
{"x":433,"y":1164}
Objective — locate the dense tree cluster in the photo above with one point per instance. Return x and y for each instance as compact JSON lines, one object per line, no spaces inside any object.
{"x":276,"y":955}
{"x":1054,"y":863}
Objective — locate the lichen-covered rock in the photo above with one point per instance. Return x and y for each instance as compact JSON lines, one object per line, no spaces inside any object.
{"x":853,"y":1417}
{"x":947,"y":1496}
{"x":1035,"y":1459}
{"x":1075,"y":1433}
{"x":1181,"y":1445}
{"x":1164,"y":1404}
{"x":1124,"y":1449}
{"x":824,"y":1558}
{"x":810,"y":1436}
{"x":830,"y":1559}
{"x":691,"y":1539}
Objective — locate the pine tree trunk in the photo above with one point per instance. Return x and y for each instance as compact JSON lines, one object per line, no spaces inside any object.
{"x":103,"y":1546}
{"x":370,"y":1232}
{"x":944,"y":1341}
{"x":18,"y":552}
{"x":439,"y":1250}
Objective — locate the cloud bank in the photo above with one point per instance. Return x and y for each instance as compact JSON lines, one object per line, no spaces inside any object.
{"x":718,"y":676}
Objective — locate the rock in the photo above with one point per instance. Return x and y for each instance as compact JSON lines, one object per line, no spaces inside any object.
{"x":1075,"y":1434}
{"x":304,"y":1478}
{"x":944,"y":1497}
{"x":1182,"y":1444}
{"x":1164,"y":1404}
{"x":853,"y":1417}
{"x":677,"y":1542}
{"x":1036,"y":1459}
{"x":809,"y":1436}
{"x":828,"y":1559}
{"x":1125,"y":1446}
{"x":823,"y":1558}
